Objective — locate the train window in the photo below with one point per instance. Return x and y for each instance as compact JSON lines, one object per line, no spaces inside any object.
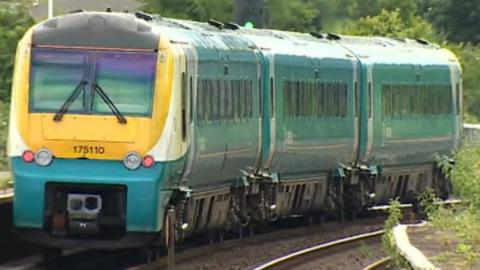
{"x":214,"y":99}
{"x":260,"y":97}
{"x":272,"y":97}
{"x":310,"y":100}
{"x":206,"y":99}
{"x":287,"y":100}
{"x":301,"y":94}
{"x":211,"y":114}
{"x":184,"y":101}
{"x":326,"y":100}
{"x":336,"y":99}
{"x":237,"y":99}
{"x":226,"y":85}
{"x":357,"y":103}
{"x":458,"y":98}
{"x":370,"y":101}
{"x":221,"y":99}
{"x":245,"y":90}
{"x":191,"y":99}
{"x":344,"y":99}
{"x":385,"y":100}
{"x":200,"y":93}
{"x":250,"y":99}
{"x":293,"y":100}
{"x":321,"y":98}
{"x":241,"y":93}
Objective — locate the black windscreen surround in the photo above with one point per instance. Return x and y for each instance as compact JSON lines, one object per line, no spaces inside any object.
{"x":96,"y":29}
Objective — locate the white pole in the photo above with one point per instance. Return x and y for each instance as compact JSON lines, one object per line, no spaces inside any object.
{"x":50,"y":9}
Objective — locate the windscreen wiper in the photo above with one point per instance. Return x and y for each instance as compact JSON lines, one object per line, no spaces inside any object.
{"x":110,"y":104}
{"x":69,"y":101}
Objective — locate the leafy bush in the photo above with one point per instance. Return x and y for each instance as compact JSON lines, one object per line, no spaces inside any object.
{"x":3,"y":134}
{"x":14,"y":21}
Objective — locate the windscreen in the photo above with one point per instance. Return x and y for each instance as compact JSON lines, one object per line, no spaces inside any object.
{"x":127,"y":78}
{"x":54,"y":75}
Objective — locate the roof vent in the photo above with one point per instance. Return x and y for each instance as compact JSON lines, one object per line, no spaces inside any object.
{"x":422,"y":41}
{"x":215,"y":23}
{"x":231,"y":26}
{"x":143,"y":16}
{"x":317,"y":35}
{"x":76,"y":11}
{"x":332,"y":36}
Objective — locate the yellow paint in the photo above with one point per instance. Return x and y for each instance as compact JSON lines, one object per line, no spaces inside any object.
{"x":140,"y":134}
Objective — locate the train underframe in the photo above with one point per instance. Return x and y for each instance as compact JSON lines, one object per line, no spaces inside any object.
{"x":259,"y":198}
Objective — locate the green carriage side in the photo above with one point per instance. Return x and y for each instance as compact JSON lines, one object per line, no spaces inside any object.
{"x":410,"y":108}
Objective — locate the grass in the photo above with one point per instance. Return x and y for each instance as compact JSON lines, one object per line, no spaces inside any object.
{"x":460,"y":224}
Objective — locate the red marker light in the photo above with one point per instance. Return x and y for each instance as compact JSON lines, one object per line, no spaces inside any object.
{"x":28,"y":156}
{"x":148,"y":161}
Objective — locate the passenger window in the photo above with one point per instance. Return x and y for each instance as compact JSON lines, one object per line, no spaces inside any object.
{"x":184,"y":101}
{"x":370,"y":101}
{"x":272,"y":98}
{"x":190,"y":88}
{"x":200,"y":94}
{"x":260,"y":97}
{"x":221,"y":99}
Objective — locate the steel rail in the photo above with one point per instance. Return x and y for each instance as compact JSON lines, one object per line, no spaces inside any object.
{"x":322,"y":247}
{"x":380,"y":264}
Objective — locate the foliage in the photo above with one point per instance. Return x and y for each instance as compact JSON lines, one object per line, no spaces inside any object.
{"x":428,"y":203}
{"x":469,"y":56}
{"x":200,"y":10}
{"x":459,"y":21}
{"x":3,"y":134}
{"x":388,"y":240}
{"x":463,"y":220}
{"x":5,"y":184}
{"x":391,"y":24}
{"x":14,"y":21}
{"x":466,"y":174}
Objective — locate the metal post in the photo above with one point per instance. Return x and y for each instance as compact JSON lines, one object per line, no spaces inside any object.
{"x":50,"y":9}
{"x":170,"y":235}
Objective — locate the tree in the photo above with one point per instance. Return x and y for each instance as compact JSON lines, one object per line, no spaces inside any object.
{"x":391,"y":24}
{"x":458,"y":20}
{"x":199,"y":10}
{"x":14,"y":21}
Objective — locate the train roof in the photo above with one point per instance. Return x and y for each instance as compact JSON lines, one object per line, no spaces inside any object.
{"x":144,"y":30}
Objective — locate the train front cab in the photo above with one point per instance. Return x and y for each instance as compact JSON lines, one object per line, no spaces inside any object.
{"x":68,"y":148}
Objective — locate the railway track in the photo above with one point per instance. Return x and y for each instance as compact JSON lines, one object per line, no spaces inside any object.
{"x":382,"y":264}
{"x":248,"y":252}
{"x":245,"y":253}
{"x":303,"y":259}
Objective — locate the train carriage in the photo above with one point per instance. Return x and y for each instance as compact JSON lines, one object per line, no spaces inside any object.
{"x":117,"y":118}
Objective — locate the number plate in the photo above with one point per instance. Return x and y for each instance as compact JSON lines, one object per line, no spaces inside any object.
{"x":87,"y":149}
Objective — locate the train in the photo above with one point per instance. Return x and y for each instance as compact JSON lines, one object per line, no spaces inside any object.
{"x":124,"y":125}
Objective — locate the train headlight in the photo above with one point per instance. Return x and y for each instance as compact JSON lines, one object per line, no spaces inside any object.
{"x":43,"y":157}
{"x":132,"y":160}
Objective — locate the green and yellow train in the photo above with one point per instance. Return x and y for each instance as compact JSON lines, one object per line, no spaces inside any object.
{"x":117,"y":118}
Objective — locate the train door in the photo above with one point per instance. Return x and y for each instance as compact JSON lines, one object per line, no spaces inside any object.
{"x":189,"y":78}
{"x":270,"y":104}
